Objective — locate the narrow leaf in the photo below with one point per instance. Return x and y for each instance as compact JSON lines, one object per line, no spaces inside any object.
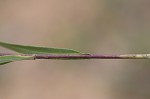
{"x":3,"y":63}
{"x":11,"y":58}
{"x":36,"y":50}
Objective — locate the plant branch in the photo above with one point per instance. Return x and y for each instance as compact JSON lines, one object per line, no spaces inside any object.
{"x":83,"y":56}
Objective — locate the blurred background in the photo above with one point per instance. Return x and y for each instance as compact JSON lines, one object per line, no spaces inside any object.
{"x":89,"y":26}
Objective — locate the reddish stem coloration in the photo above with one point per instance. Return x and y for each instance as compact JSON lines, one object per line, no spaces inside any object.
{"x":80,"y":56}
{"x":83,"y":56}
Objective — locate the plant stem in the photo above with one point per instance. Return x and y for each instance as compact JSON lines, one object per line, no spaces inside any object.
{"x":83,"y":56}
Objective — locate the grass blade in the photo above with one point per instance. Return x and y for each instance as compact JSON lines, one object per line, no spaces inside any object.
{"x":36,"y":50}
{"x":11,"y":58}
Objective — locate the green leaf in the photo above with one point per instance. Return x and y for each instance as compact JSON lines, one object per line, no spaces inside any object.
{"x":36,"y":50}
{"x":11,"y":58}
{"x":3,"y":63}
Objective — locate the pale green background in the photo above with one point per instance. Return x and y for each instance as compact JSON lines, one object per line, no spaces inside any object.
{"x":90,"y":26}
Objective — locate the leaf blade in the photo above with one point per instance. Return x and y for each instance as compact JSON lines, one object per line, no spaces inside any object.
{"x":11,"y":58}
{"x":37,"y":50}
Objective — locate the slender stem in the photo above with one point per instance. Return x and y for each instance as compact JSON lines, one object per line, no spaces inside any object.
{"x":94,"y":56}
{"x":83,"y":56}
